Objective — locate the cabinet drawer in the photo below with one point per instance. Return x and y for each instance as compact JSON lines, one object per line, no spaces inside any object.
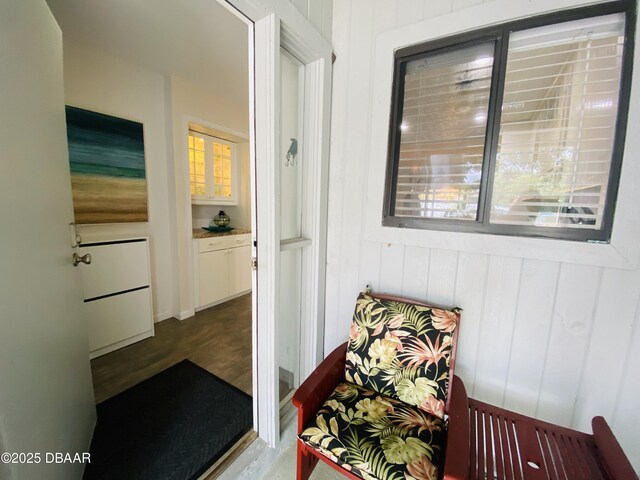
{"x":115,"y":267}
{"x":210,"y":244}
{"x":116,"y":318}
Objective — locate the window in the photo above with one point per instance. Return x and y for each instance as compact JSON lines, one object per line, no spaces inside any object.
{"x":515,"y":130}
{"x":212,"y":170}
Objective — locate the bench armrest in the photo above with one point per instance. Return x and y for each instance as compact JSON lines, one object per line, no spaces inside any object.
{"x":456,"y":465}
{"x":612,"y":454}
{"x":319,"y":385}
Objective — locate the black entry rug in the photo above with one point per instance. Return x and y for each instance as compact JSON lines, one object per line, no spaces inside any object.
{"x":174,"y":425}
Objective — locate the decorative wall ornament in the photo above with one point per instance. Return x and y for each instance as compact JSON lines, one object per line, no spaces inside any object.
{"x":291,"y":153}
{"x":108,"y":177}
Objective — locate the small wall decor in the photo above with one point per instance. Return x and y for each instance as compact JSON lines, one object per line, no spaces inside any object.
{"x":291,"y":153}
{"x":108,"y":177}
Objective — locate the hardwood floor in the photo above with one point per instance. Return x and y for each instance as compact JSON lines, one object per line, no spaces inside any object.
{"x":218,"y":339}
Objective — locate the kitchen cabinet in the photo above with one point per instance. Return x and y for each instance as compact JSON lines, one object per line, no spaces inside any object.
{"x":117,"y":293}
{"x":223,"y":267}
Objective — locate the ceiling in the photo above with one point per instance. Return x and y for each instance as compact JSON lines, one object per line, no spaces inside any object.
{"x":197,"y":39}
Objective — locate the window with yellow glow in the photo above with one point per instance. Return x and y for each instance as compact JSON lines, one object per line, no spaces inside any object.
{"x":212,"y":166}
{"x":196,"y":165}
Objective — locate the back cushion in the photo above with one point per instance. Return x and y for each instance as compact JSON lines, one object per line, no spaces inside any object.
{"x":402,"y":350}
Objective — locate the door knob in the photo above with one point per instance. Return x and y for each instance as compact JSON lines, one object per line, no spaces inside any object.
{"x":84,"y":259}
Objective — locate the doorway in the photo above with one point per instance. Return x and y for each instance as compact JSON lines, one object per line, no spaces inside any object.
{"x":162,"y":68}
{"x":291,"y":262}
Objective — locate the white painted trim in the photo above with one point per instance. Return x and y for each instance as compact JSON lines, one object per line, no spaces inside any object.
{"x":302,"y":39}
{"x":316,"y":148}
{"x":293,"y":243}
{"x":254,"y":235}
{"x":122,"y":343}
{"x":623,"y":251}
{"x":239,"y":136}
{"x":226,"y":299}
{"x":184,"y":314}
{"x":267,"y":57}
{"x":248,"y":11}
{"x":182,"y":176}
{"x":161,"y":317}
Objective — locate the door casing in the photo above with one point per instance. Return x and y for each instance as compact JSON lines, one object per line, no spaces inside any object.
{"x":272,"y":25}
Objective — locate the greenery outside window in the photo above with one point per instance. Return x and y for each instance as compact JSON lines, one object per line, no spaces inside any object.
{"x":517,"y":129}
{"x":213,"y":170}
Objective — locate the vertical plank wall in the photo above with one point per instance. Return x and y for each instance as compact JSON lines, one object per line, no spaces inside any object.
{"x":555,"y":340}
{"x":319,"y":14}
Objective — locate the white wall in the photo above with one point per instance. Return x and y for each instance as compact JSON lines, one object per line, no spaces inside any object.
{"x":97,"y":81}
{"x":318,"y":12}
{"x":557,"y":340}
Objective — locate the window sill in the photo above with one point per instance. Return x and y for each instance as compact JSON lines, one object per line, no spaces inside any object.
{"x":566,"y":251}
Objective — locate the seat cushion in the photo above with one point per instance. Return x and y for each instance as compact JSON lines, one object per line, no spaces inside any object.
{"x":402,"y":351}
{"x":377,"y":437}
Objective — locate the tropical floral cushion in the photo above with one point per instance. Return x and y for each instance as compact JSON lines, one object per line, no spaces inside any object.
{"x":402,"y":351}
{"x":377,"y":437}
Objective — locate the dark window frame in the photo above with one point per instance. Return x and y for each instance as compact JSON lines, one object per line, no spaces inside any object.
{"x":500,"y":35}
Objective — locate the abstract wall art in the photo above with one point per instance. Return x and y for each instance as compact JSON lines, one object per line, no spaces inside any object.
{"x":108,"y":178}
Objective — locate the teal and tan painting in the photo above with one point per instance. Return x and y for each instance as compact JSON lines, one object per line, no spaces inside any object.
{"x":106,"y":156}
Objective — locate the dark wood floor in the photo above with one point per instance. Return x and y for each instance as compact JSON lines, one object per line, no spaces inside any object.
{"x":218,"y":339}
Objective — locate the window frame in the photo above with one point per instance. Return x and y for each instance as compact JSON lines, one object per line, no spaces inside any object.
{"x":500,"y":35}
{"x":210,"y":198}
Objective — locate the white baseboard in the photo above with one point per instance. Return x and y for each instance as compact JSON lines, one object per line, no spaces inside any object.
{"x":159,"y":317}
{"x":120,"y":344}
{"x":183,"y":315}
{"x":226,"y":299}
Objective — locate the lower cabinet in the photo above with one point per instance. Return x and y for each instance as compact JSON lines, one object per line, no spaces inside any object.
{"x":240,"y":269}
{"x":121,"y":317}
{"x":224,"y":268}
{"x":117,"y":293}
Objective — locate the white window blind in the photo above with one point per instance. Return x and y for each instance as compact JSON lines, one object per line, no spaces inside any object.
{"x":442,"y":133}
{"x":557,"y":125}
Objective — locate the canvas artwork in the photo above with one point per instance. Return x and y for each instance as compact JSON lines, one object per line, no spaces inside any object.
{"x":106,"y":156}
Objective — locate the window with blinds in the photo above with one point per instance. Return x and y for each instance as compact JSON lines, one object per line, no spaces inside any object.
{"x":516,"y":130}
{"x":444,"y":120}
{"x":558,"y":124}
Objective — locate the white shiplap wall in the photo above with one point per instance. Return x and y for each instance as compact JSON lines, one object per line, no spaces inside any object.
{"x":559,"y":341}
{"x":319,"y":14}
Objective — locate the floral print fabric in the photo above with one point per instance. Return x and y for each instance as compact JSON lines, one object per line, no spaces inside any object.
{"x":402,"y":351}
{"x":377,"y":437}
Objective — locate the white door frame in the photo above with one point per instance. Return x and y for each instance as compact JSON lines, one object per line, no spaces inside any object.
{"x":275,"y":24}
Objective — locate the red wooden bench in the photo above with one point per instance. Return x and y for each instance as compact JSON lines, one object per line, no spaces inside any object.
{"x":483,"y":441}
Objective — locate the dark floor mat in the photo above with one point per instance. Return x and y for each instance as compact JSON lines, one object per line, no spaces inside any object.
{"x":174,"y":425}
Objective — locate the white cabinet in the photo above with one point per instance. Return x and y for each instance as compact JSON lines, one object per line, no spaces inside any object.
{"x":223,"y":268}
{"x":240,"y":269}
{"x":117,"y":293}
{"x":214,"y":276}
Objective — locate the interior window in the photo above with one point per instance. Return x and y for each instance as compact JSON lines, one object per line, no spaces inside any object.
{"x":212,"y":169}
